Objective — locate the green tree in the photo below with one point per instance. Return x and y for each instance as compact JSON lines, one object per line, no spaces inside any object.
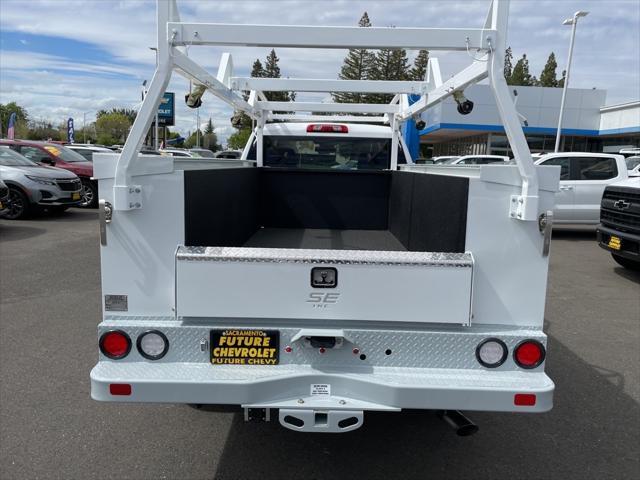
{"x":192,"y":139}
{"x":43,"y":130}
{"x":563,"y":79}
{"x":521,"y":75}
{"x":209,"y":126}
{"x":239,"y":139}
{"x":272,"y":70}
{"x":22,"y":119}
{"x":209,"y":138}
{"x":356,"y":66}
{"x":388,"y":65}
{"x":128,"y":112}
{"x":508,"y":64}
{"x":419,"y":70}
{"x":112,"y":127}
{"x":257,"y":70}
{"x":548,"y":76}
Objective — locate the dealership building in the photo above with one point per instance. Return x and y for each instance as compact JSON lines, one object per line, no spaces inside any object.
{"x":588,"y":125}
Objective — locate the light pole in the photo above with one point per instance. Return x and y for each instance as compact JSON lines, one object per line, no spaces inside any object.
{"x":155,"y":136}
{"x":84,"y":126}
{"x":574,"y":23}
{"x":198,"y":127}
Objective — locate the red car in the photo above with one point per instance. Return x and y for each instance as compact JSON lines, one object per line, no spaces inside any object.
{"x":49,"y":153}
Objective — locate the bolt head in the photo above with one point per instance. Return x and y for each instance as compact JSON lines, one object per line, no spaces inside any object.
{"x":300,"y":401}
{"x":342,"y":402}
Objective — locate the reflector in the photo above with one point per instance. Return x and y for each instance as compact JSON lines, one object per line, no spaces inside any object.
{"x":524,"y":399}
{"x":120,"y":389}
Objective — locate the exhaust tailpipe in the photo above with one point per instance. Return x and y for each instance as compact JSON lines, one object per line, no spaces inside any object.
{"x":461,"y":424}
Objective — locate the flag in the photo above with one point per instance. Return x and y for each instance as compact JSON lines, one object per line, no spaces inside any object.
{"x":70,"y":131}
{"x":11,"y":130}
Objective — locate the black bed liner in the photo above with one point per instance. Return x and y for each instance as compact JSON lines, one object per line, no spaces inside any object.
{"x":323,"y":238}
{"x":362,"y":210}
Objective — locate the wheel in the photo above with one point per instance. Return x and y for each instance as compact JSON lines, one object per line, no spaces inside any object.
{"x":89,"y":194}
{"x":626,"y":262}
{"x":19,"y":206}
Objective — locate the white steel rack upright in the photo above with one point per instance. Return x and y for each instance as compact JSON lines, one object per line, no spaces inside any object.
{"x":485,"y":47}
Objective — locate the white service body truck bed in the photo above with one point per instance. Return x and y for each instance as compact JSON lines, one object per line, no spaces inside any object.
{"x":324,"y":274}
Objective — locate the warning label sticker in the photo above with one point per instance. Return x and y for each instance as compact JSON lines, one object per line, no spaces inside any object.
{"x":320,"y":389}
{"x":245,"y":347}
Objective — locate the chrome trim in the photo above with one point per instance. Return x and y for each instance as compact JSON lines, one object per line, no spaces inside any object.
{"x":312,"y":256}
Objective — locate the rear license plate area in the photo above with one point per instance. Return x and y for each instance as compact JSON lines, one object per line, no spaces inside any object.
{"x":245,"y":347}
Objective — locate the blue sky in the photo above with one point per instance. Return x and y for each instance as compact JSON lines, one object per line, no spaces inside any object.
{"x":65,"y":58}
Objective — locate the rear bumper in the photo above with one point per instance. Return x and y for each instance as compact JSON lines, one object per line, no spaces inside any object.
{"x":290,"y":386}
{"x":630,"y":243}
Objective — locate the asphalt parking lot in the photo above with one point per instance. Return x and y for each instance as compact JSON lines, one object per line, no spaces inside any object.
{"x":51,"y":429}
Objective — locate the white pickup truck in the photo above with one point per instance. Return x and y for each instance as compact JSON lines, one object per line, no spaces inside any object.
{"x":324,"y":274}
{"x":583,"y":178}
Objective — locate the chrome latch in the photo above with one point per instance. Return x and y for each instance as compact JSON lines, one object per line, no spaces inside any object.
{"x":105,"y":214}
{"x":545,"y":225}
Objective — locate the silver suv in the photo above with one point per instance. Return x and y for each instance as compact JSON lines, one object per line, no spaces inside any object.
{"x":32,"y":186}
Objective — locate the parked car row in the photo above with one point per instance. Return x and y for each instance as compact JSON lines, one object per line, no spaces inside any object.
{"x":62,"y":157}
{"x":31,"y":186}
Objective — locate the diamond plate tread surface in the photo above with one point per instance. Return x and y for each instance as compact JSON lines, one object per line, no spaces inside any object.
{"x":414,"y":378}
{"x":290,"y":255}
{"x":408,"y":348}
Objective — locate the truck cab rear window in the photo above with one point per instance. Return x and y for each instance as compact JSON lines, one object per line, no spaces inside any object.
{"x":340,"y":153}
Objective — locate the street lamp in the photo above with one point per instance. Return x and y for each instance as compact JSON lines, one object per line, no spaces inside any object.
{"x":84,"y":125}
{"x":574,"y":23}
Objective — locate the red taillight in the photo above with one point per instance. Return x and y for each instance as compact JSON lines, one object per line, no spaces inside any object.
{"x":119,"y":389}
{"x":115,"y":344}
{"x":524,"y":399}
{"x":327,"y":128}
{"x":529,"y":354}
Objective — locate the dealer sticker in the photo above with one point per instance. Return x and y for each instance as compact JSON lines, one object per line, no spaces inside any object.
{"x":245,"y":347}
{"x":320,"y":389}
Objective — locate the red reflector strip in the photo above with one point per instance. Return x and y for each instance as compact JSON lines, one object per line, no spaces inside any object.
{"x":119,"y":389}
{"x":524,"y":399}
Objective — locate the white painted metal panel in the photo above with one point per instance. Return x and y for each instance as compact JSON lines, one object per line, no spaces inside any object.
{"x":372,"y":288}
{"x":510,"y":272}
{"x":138,"y":259}
{"x":293,"y":36}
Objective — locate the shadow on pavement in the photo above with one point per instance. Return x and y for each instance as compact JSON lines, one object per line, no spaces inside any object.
{"x":580,"y":438}
{"x":12,"y":231}
{"x":574,"y":234}
{"x":627,"y":274}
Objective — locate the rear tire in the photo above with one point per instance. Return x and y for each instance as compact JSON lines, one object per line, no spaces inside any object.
{"x":89,"y":194}
{"x":626,"y":262}
{"x":19,"y":206}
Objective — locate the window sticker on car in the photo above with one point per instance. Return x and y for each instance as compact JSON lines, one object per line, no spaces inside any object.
{"x":53,"y":150}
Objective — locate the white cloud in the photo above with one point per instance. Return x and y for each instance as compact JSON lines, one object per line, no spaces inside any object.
{"x":55,"y":86}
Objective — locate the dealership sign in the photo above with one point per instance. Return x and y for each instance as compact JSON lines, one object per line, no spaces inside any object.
{"x":166,"y":110}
